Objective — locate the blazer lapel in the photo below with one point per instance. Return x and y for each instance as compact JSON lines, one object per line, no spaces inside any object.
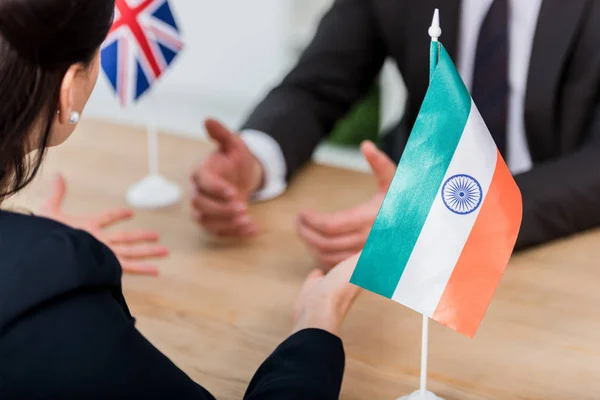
{"x":449,"y":21}
{"x":557,"y":25}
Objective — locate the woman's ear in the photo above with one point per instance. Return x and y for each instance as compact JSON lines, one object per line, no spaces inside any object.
{"x":67,"y":95}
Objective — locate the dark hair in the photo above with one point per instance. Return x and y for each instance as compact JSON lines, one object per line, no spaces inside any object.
{"x":39,"y":41}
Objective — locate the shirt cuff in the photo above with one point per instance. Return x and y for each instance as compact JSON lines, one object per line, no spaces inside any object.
{"x":269,"y":154}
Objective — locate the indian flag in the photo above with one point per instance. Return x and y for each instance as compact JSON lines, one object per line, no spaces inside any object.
{"x":449,"y":222}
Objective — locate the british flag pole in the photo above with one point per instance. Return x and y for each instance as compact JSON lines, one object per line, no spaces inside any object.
{"x":142,"y":44}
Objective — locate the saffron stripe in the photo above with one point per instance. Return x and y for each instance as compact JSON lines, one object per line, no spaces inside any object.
{"x":484,"y":257}
{"x":428,"y":153}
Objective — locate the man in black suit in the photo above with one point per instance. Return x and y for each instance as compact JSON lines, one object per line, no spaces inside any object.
{"x":532,"y":66}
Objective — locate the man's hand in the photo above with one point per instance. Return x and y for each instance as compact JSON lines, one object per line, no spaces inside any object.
{"x":334,"y":237}
{"x":132,"y":248}
{"x":223,"y":183}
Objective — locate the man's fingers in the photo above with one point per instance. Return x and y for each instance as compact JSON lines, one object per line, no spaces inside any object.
{"x":139,"y":269}
{"x":132,"y":237}
{"x":342,"y":222}
{"x":219,"y":133}
{"x":214,"y":186}
{"x":330,"y":244}
{"x":237,"y":233}
{"x":139,"y":252}
{"x":243,"y":232}
{"x":217,"y":208}
{"x":383,"y":167}
{"x":240,"y":226}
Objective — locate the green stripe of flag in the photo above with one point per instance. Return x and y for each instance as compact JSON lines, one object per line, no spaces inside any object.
{"x":434,"y":56}
{"x":428,"y":153}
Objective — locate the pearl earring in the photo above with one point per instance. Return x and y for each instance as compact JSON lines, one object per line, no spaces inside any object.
{"x":74,"y":118}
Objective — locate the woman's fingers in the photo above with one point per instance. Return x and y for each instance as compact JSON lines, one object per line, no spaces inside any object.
{"x":57,"y":196}
{"x":324,"y":300}
{"x":132,"y":237}
{"x":338,"y":279}
{"x":140,"y":251}
{"x":311,"y":281}
{"x":139,"y":268}
{"x":331,"y":260}
{"x":111,"y":217}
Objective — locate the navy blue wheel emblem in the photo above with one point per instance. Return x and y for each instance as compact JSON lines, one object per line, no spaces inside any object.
{"x":462,"y":194}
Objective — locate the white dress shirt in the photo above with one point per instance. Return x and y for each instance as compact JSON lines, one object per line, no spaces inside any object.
{"x":523,"y":15}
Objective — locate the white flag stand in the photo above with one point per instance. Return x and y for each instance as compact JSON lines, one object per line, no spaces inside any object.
{"x":422,"y":394}
{"x":153,"y":191}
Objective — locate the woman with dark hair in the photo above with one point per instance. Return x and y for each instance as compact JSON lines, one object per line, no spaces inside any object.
{"x":47,"y":73}
{"x":65,"y":329}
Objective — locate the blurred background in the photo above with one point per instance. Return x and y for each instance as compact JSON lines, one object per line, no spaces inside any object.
{"x":235,"y":51}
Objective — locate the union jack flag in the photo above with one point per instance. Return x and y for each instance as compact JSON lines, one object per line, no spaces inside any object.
{"x":142,"y":43}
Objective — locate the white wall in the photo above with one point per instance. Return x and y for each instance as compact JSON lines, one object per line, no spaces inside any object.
{"x":304,"y":16}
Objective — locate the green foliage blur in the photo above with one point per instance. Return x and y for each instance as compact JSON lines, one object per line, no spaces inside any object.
{"x":361,"y":123}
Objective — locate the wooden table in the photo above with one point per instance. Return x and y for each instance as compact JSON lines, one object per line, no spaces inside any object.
{"x":219,"y":308}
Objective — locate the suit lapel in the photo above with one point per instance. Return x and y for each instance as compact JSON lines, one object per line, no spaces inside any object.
{"x":449,"y":21}
{"x":557,"y":25}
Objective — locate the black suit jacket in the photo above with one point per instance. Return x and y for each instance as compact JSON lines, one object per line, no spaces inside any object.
{"x":66,"y":331}
{"x":561,"y":194}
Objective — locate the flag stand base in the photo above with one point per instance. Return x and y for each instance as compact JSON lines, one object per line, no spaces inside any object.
{"x":154,"y":191}
{"x":417,"y":396}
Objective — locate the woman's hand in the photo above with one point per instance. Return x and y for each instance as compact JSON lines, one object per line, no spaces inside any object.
{"x":132,"y":248}
{"x":324,"y":300}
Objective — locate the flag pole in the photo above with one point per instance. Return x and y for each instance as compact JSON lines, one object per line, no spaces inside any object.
{"x":435,"y":32}
{"x":152,"y":138}
{"x":424,"y":348}
{"x":152,"y":150}
{"x":154,"y":190}
{"x":423,"y":394}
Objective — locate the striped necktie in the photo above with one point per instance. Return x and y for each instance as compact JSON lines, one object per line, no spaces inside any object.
{"x":490,"y":75}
